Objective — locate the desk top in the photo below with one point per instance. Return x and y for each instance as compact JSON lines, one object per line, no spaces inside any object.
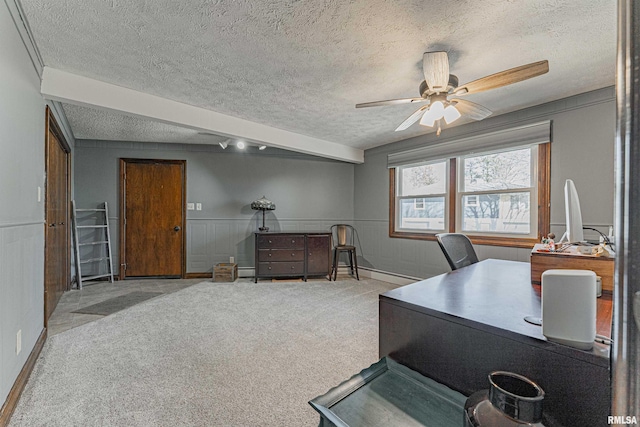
{"x":492,"y":295}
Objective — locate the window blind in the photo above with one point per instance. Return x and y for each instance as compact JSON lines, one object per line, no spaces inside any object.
{"x":530,"y":134}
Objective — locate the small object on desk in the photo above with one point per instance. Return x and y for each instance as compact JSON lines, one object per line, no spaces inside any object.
{"x":587,"y":250}
{"x":549,"y":243}
{"x":569,"y":307}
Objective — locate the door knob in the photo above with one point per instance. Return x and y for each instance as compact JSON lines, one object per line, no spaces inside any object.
{"x":53,"y":224}
{"x":176,"y":228}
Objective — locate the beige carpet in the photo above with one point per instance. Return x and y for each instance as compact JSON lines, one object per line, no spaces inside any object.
{"x":213,"y":354}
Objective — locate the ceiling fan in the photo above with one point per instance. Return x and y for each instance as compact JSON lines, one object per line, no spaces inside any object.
{"x":440,"y":90}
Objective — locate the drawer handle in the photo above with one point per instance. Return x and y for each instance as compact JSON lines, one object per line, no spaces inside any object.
{"x":269,"y":254}
{"x":293,"y":241}
{"x":293,"y":267}
{"x":293,"y":254}
{"x":269,"y":241}
{"x":269,"y":268}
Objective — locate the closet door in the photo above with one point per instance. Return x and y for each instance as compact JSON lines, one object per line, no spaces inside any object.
{"x":57,"y":230}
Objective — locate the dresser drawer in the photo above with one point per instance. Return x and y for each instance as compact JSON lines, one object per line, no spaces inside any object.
{"x":267,"y":255}
{"x":289,"y":241}
{"x":280,"y":268}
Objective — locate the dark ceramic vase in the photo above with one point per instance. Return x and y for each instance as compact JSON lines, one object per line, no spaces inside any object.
{"x":511,"y":401}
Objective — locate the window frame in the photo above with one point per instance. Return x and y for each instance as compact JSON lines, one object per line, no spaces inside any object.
{"x":424,"y":197}
{"x":543,"y":182}
{"x":530,"y":190}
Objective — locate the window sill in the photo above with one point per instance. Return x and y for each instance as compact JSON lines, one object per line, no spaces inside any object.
{"x":526,"y":243}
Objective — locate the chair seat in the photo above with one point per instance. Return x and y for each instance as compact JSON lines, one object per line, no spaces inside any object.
{"x":345,"y":248}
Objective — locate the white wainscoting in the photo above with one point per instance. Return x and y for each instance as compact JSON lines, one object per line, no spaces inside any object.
{"x":213,"y":240}
{"x":21,"y":296}
{"x":414,"y":258}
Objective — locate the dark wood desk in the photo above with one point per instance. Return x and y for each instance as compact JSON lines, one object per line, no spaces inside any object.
{"x":458,"y":327}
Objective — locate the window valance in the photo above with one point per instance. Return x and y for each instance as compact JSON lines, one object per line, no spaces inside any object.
{"x":530,"y":134}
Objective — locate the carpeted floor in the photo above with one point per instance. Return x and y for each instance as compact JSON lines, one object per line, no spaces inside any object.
{"x":213,"y":354}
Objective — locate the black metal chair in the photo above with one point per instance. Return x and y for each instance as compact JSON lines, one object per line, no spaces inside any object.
{"x":344,"y":236}
{"x":457,"y":249}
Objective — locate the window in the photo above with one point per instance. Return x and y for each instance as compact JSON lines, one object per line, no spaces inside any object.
{"x":497,"y":191}
{"x":498,"y":197}
{"x":421,"y":197}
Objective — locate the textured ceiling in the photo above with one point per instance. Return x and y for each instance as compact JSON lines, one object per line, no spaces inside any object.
{"x":302,"y":65}
{"x":89,"y":123}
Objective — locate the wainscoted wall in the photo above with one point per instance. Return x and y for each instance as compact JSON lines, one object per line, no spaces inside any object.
{"x":214,"y":240}
{"x":310,"y":193}
{"x":583,"y":136}
{"x":22,"y":118}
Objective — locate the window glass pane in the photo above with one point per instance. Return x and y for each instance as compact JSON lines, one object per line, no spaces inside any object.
{"x":497,"y":213}
{"x":424,"y":213}
{"x":424,"y":179}
{"x":500,"y":171}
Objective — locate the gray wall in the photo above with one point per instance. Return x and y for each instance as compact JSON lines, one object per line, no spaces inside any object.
{"x":583,"y":132}
{"x":310,"y":193}
{"x":21,"y":215}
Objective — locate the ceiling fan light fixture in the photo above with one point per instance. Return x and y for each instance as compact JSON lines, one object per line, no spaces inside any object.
{"x":224,"y":144}
{"x":428,"y":118}
{"x":262,"y":147}
{"x":240,"y":145}
{"x":435,"y":112}
{"x":438,"y":109}
{"x":451,"y":114}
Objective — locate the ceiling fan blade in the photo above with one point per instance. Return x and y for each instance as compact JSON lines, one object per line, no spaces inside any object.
{"x":390,"y":102}
{"x":471,"y":109}
{"x":504,"y":78}
{"x":412,"y":118}
{"x":435,"y":66}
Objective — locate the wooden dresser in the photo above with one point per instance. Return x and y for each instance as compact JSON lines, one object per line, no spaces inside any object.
{"x":294,"y":254}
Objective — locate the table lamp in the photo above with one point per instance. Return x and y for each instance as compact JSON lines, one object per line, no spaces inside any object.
{"x":263,"y":205}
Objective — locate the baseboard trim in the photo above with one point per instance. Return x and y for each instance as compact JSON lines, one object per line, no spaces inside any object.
{"x":369,"y":273}
{"x":385,"y":276}
{"x":16,"y":391}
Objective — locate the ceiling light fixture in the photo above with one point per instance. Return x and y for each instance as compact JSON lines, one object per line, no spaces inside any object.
{"x":437,"y":111}
{"x":451,"y":114}
{"x":224,"y":144}
{"x":240,"y":145}
{"x":262,"y":147}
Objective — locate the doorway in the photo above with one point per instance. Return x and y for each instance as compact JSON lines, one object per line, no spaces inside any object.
{"x":57,"y":253}
{"x":152,"y":218}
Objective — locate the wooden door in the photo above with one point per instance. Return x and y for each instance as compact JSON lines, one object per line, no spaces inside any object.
{"x":57,"y":238}
{"x":152,"y":218}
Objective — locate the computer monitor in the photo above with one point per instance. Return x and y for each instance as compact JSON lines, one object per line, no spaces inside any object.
{"x":574,"y":233}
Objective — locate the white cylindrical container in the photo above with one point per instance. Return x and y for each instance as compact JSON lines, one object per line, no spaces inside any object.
{"x":569,"y":307}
